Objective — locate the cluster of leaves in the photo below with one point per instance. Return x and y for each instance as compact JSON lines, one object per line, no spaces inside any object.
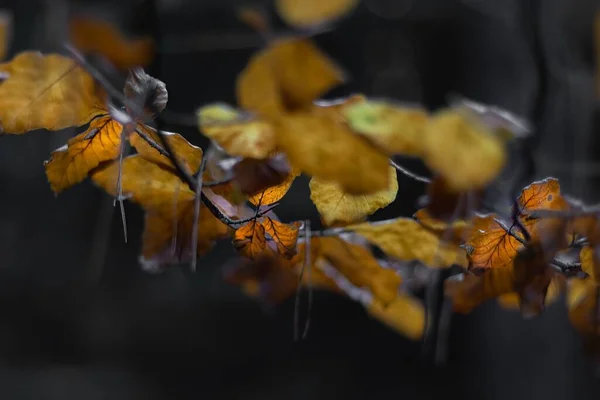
{"x":545,"y":246}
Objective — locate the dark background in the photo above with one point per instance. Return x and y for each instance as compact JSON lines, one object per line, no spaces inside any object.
{"x":79,"y":320}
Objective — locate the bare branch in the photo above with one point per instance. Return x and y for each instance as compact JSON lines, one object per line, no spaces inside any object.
{"x":409,"y":173}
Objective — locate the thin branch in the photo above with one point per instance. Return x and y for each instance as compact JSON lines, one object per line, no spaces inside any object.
{"x":409,"y":173}
{"x":305,"y":265}
{"x":516,"y":218}
{"x":197,"y":214}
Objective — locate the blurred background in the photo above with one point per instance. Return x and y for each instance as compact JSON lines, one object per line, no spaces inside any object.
{"x":79,"y":320}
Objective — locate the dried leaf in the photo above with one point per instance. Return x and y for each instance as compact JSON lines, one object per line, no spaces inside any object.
{"x":274,"y":193}
{"x":288,"y":75}
{"x":454,"y":231}
{"x":512,"y":301}
{"x":6,"y":32}
{"x":447,"y":205}
{"x":404,"y":314}
{"x":305,"y":13}
{"x":47,"y":92}
{"x":169,"y":206}
{"x":582,"y":302}
{"x":71,"y":164}
{"x":284,"y":235}
{"x":461,"y":149}
{"x":395,"y":129}
{"x":239,"y":134}
{"x":95,"y":36}
{"x":542,"y":195}
{"x":590,"y":263}
{"x":468,"y":291}
{"x":359,"y":266}
{"x":405,"y":239}
{"x":338,"y":208}
{"x":250,"y":239}
{"x":147,"y":93}
{"x":315,"y":144}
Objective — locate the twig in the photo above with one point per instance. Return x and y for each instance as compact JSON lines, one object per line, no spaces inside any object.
{"x":409,"y":173}
{"x":306,"y":263}
{"x":309,"y":277}
{"x":196,"y":224}
{"x":120,"y":198}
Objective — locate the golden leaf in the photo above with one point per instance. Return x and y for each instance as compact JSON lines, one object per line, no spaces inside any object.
{"x":46,"y":92}
{"x":337,"y":207}
{"x":250,"y":239}
{"x":284,"y":235}
{"x":289,"y":74}
{"x":71,"y":164}
{"x":324,"y":147}
{"x":169,"y":206}
{"x":405,"y":239}
{"x":404,"y":314}
{"x":95,"y":36}
{"x":461,"y":149}
{"x":358,"y":265}
{"x":589,"y":263}
{"x":305,"y":13}
{"x":396,"y":130}
{"x":237,"y":135}
{"x":582,"y":303}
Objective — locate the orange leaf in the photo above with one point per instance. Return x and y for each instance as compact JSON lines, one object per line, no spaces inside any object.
{"x":541,"y":195}
{"x":71,"y":164}
{"x":92,"y":35}
{"x":169,"y":206}
{"x":590,"y":263}
{"x":147,"y":141}
{"x":289,"y":74}
{"x":250,"y":239}
{"x":255,"y":176}
{"x":47,"y":92}
{"x":468,"y":291}
{"x":490,"y":245}
{"x":454,"y":231}
{"x":284,"y":235}
{"x":274,"y":193}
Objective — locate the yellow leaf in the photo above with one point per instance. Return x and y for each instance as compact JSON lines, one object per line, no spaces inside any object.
{"x":71,"y":164}
{"x":405,"y":239}
{"x":237,"y":135}
{"x":47,"y":92}
{"x":397,"y":130}
{"x":323,"y":146}
{"x":305,"y":13}
{"x":250,"y":239}
{"x":404,"y":314}
{"x":337,"y":207}
{"x":289,"y":74}
{"x":461,"y":149}
{"x":284,"y":235}
{"x":360,"y":267}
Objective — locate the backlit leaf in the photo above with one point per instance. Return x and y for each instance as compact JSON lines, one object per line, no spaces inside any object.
{"x":405,"y":239}
{"x":337,"y":207}
{"x":274,"y":193}
{"x":46,"y":92}
{"x":250,"y":239}
{"x":284,"y":235}
{"x":71,"y":164}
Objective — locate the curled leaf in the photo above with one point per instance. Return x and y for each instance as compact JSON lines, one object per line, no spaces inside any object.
{"x":146,"y":92}
{"x":255,"y":176}
{"x":337,"y":207}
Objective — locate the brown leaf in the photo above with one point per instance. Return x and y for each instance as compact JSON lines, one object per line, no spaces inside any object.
{"x":590,"y":263}
{"x":94,"y":36}
{"x":274,"y":193}
{"x":250,"y":239}
{"x":47,"y":92}
{"x":305,"y":13}
{"x":71,"y":164}
{"x":6,"y":32}
{"x":284,"y":235}
{"x":405,"y":239}
{"x":147,"y":93}
{"x":445,"y":204}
